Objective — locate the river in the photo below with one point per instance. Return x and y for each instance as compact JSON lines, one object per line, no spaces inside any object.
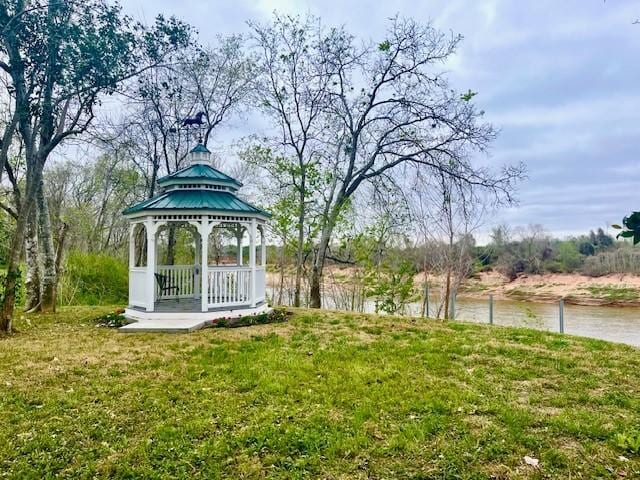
{"x":615,"y":324}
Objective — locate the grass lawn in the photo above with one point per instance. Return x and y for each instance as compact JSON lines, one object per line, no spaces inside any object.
{"x":325,"y":395}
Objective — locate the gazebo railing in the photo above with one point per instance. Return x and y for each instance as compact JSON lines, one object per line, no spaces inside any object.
{"x":137,"y":288}
{"x":229,"y":286}
{"x":181,"y":276}
{"x":261,"y":282}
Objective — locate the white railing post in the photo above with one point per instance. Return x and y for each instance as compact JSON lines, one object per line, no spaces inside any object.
{"x":252,"y":261}
{"x":150,"y":228}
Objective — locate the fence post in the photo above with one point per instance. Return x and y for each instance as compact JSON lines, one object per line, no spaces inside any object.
{"x":490,"y":309}
{"x":561,"y":315}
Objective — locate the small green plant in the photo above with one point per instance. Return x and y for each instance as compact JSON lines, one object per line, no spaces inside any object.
{"x":274,"y":316}
{"x":532,"y":320}
{"x":629,"y":441}
{"x":613,"y":292}
{"x":111,"y":320}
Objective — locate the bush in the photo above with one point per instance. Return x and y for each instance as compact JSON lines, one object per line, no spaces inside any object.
{"x":568,"y":256}
{"x":90,"y":279}
{"x":111,"y":320}
{"x":20,"y":292}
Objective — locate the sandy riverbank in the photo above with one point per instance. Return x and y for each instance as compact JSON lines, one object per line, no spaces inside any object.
{"x":616,"y":289}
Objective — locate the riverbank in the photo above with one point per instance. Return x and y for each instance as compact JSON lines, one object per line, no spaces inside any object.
{"x":324,"y":395}
{"x":607,"y":290}
{"x":622,"y":290}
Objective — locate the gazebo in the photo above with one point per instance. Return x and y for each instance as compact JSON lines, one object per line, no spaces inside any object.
{"x":213,"y":283}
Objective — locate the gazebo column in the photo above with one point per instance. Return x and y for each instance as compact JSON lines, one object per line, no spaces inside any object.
{"x":204,"y":229}
{"x":197,"y":264}
{"x":252,"y":260}
{"x":263,"y":248}
{"x":132,"y":246}
{"x":151,"y":229}
{"x":239,"y":245}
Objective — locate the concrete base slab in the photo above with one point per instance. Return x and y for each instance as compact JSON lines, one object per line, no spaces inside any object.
{"x":182,"y":322}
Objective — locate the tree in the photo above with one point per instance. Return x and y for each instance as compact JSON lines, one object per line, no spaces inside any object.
{"x":293,"y":91}
{"x":391,"y":108}
{"x":214,"y":80}
{"x":58,"y":60}
{"x":446,"y":212}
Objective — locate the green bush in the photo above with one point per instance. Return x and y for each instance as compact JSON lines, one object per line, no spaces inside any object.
{"x":20,"y":292}
{"x":568,"y":256}
{"x":90,"y":279}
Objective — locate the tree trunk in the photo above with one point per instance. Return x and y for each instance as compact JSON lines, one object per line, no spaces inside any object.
{"x":33,"y":281}
{"x":171,"y":244}
{"x":447,"y":293}
{"x":300,"y":251}
{"x":318,"y":267}
{"x":59,"y":252}
{"x":17,"y":241}
{"x":330,"y":219}
{"x":49,"y":277}
{"x":13,"y":271}
{"x":425,"y":303}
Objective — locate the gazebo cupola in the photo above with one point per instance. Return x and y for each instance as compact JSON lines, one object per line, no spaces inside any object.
{"x":218,"y":282}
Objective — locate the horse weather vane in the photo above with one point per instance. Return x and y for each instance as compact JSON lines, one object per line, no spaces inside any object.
{"x":195,"y":126}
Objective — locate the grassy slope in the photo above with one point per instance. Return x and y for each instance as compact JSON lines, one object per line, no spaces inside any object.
{"x":325,"y":395}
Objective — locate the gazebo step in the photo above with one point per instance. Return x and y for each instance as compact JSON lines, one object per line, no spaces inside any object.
{"x":173,"y":326}
{"x":182,"y":322}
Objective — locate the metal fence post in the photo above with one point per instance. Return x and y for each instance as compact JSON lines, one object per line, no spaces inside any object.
{"x":490,"y":309}
{"x":561,"y":315}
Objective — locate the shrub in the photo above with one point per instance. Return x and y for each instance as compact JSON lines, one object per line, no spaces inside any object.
{"x":568,"y":256}
{"x":20,"y":293}
{"x":111,"y":320}
{"x":93,"y":279}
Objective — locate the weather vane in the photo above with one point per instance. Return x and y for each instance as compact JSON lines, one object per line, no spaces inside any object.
{"x":195,"y":126}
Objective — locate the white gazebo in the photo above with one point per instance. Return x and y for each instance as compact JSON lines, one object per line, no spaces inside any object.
{"x":213,"y":283}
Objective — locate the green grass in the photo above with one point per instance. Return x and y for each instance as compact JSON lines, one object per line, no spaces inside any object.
{"x":613,"y":293}
{"x":324,"y":395}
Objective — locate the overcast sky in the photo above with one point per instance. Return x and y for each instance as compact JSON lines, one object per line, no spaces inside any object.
{"x":559,"y":79}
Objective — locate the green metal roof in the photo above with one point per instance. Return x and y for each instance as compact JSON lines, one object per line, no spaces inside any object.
{"x":199,"y":172}
{"x":196,"y":200}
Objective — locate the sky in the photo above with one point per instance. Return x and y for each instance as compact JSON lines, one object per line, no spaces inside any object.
{"x":558,"y":79}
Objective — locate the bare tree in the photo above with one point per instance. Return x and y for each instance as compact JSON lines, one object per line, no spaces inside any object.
{"x":393,"y":107}
{"x":292,"y":91}
{"x":446,"y":212}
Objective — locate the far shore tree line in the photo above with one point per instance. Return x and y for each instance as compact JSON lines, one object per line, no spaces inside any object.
{"x":366,"y":145}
